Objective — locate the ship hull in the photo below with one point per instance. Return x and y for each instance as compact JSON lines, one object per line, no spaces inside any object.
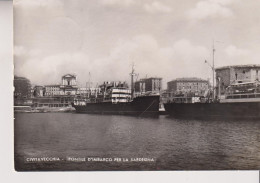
{"x":140,"y":106}
{"x":214,"y":110}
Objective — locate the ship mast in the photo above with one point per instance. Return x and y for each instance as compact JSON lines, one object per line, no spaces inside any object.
{"x":213,"y":70}
{"x":132,"y":74}
{"x":89,"y":80}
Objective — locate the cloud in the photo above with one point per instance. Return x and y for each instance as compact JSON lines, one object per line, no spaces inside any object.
{"x":21,"y":51}
{"x":185,"y":59}
{"x":182,"y":59}
{"x":117,"y":2}
{"x":233,"y":51}
{"x":211,"y":8}
{"x":232,"y":55}
{"x":222,"y":2}
{"x":42,"y":69}
{"x":157,"y":7}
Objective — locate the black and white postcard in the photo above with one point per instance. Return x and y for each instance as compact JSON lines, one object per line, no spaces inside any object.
{"x":136,"y":85}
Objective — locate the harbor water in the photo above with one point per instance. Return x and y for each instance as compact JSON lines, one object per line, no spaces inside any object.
{"x":71,"y":141}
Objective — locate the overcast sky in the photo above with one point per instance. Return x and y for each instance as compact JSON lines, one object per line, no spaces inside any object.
{"x":165,"y":38}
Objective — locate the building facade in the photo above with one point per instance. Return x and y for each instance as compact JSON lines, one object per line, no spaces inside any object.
{"x":82,"y":91}
{"x":52,"y":90}
{"x":225,"y":76}
{"x":54,"y":101}
{"x":187,"y":86}
{"x":69,"y":85}
{"x":88,"y":92}
{"x":153,"y":84}
{"x":56,"y":95}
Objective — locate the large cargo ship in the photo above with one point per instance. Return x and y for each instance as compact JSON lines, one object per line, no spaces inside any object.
{"x":116,"y":98}
{"x":241,"y":100}
{"x":139,"y":106}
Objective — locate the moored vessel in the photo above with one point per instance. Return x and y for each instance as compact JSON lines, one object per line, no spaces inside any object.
{"x":117,"y":98}
{"x":139,"y":106}
{"x":242,"y":108}
{"x":238,"y":97}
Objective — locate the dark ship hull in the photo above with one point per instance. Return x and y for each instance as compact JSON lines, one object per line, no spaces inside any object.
{"x":140,"y":106}
{"x":236,"y":110}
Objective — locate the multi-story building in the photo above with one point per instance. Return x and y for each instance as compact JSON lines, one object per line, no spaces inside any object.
{"x":139,"y":86}
{"x":189,"y":86}
{"x":56,"y":95}
{"x":228,"y":75}
{"x":153,"y":84}
{"x":52,"y":90}
{"x":69,"y":85}
{"x":88,"y":91}
{"x":82,"y":91}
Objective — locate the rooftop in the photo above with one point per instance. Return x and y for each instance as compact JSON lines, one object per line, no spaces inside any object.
{"x":52,"y":85}
{"x":239,"y":66}
{"x":143,"y":79}
{"x":189,"y":79}
{"x":69,"y":75}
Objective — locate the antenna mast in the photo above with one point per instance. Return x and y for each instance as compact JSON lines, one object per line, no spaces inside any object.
{"x":213,"y":69}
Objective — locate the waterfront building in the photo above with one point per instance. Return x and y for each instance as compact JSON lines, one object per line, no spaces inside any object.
{"x":52,"y":101}
{"x":187,"y":86}
{"x":229,"y":75}
{"x":52,"y":90}
{"x":153,"y":84}
{"x":88,"y":91}
{"x":69,"y":85}
{"x":82,"y":91}
{"x":56,"y":95}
